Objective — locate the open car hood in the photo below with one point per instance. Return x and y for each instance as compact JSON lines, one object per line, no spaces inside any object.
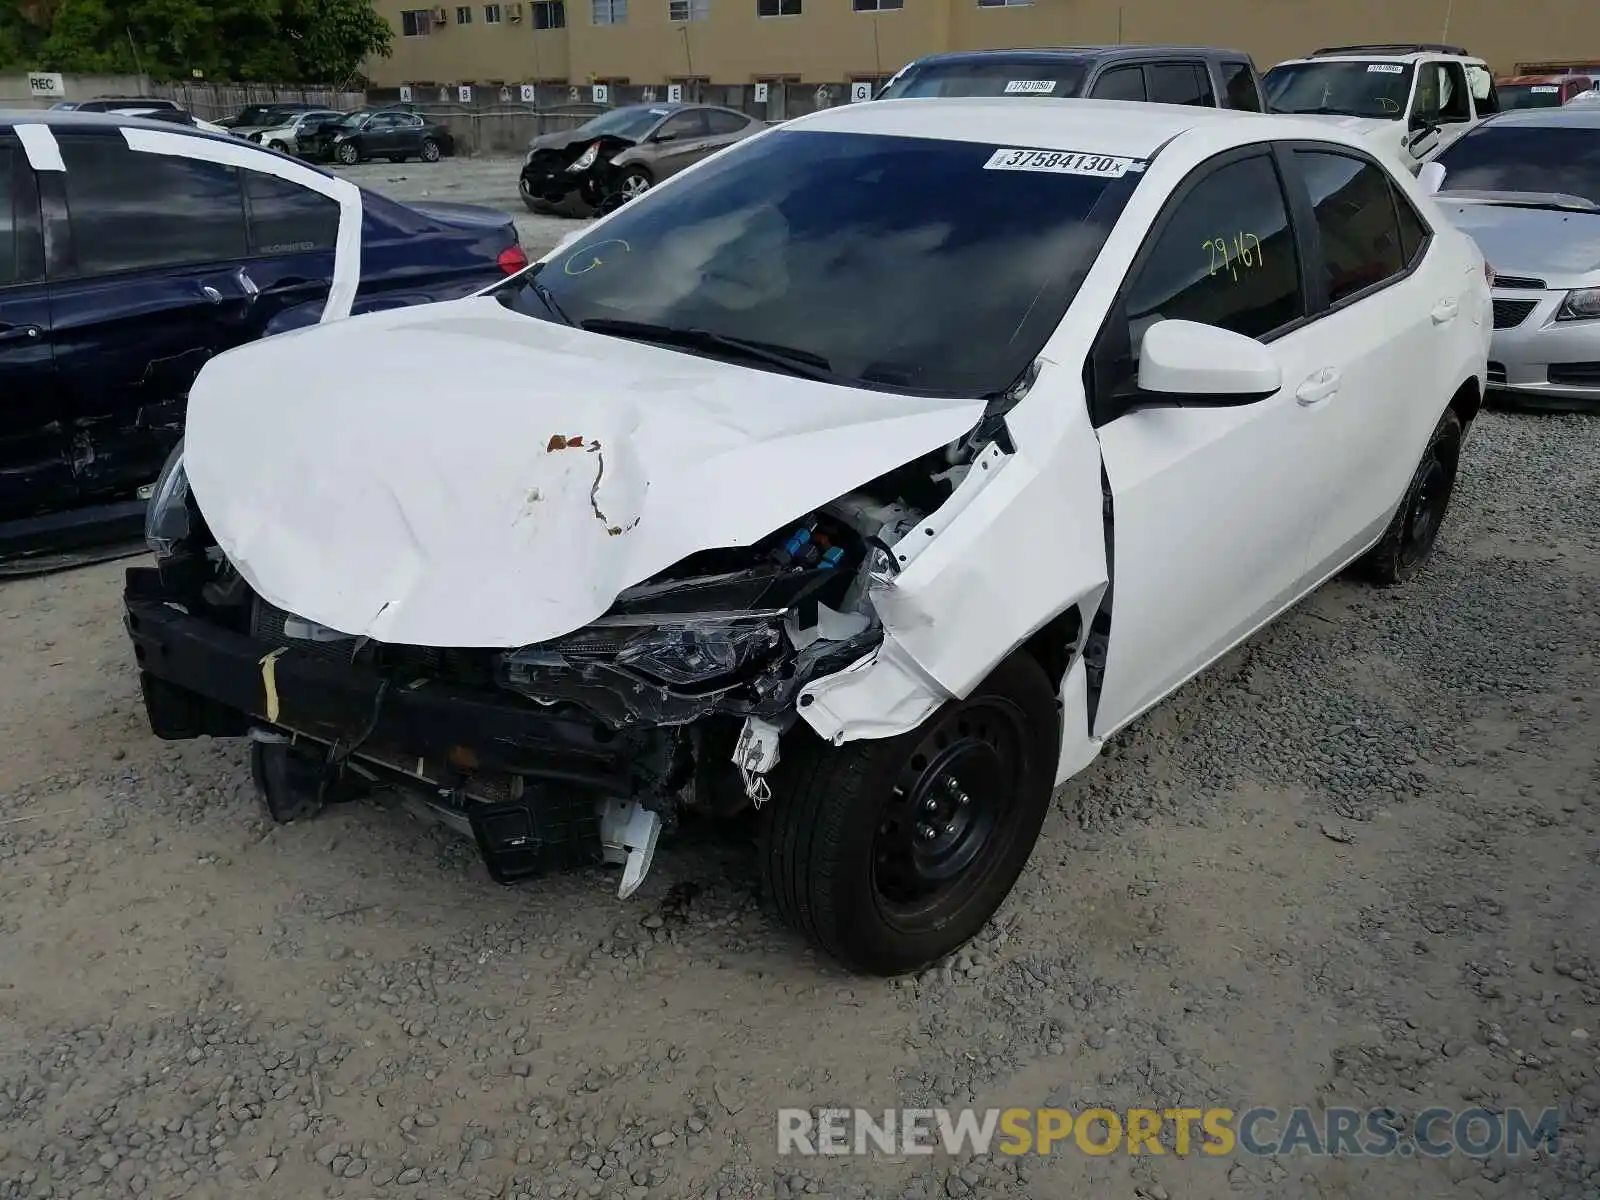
{"x":458,"y":474}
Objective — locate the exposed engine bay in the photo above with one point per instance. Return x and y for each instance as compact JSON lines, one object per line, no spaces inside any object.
{"x":673,"y":700}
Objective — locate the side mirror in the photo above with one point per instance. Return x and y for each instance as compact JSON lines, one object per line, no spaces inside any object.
{"x":1431,"y":177}
{"x":1184,"y":364}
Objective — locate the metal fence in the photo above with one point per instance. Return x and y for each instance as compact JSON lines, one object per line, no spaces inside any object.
{"x":502,"y":120}
{"x":209,"y":101}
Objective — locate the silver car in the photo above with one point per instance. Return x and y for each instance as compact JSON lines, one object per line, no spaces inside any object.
{"x":1526,"y":186}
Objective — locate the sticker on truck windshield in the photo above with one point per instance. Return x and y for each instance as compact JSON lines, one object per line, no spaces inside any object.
{"x":1385,"y":69}
{"x":1062,"y":162}
{"x":1030,"y":87}
{"x":1545,"y":89}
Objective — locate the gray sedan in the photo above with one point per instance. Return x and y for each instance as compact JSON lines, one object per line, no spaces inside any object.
{"x":1526,"y":186}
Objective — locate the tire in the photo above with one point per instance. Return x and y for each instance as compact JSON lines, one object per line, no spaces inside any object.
{"x":430,"y":150}
{"x":635,"y":182}
{"x":846,"y":853}
{"x":280,"y":147}
{"x":348,"y":154}
{"x":1409,"y":540}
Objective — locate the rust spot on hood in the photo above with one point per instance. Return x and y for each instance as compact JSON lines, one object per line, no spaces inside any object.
{"x":562,"y":442}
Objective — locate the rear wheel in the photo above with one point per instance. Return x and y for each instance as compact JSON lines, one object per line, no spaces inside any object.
{"x":1409,"y":540}
{"x":430,"y":150}
{"x":889,"y":854}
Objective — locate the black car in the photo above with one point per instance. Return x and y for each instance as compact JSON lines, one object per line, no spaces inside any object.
{"x":262,"y":116}
{"x":376,"y":133}
{"x":1198,"y":75}
{"x":102,"y":104}
{"x":122,"y":274}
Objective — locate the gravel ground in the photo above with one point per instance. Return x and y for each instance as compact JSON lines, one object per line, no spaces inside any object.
{"x":489,"y":181}
{"x":1355,"y":863}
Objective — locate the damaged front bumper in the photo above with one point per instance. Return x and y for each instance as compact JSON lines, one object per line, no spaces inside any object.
{"x":539,"y":787}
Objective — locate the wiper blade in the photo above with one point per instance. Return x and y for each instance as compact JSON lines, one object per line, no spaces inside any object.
{"x":546,"y":296}
{"x":796,"y":362}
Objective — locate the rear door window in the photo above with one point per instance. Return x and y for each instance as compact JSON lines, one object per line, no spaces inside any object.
{"x":285,"y":218}
{"x":1239,"y":87}
{"x":12,"y":171}
{"x":1177,"y":83}
{"x":1357,"y":224}
{"x":1120,"y":83}
{"x":130,"y":210}
{"x":719,"y":122}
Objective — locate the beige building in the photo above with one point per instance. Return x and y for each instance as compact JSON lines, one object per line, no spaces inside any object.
{"x":832,"y":41}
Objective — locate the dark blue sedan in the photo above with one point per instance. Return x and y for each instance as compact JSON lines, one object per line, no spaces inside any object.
{"x":131,"y":251}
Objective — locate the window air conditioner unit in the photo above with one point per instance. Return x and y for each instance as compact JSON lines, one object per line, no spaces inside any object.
{"x":514,"y":12}
{"x":441,"y":16}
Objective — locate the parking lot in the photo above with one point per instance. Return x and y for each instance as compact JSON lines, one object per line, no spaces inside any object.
{"x":1357,"y":863}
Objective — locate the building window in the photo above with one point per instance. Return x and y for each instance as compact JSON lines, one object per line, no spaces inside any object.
{"x":491,"y":14}
{"x":464,"y":14}
{"x":777,"y":8}
{"x":610,"y":12}
{"x":549,"y":14}
{"x":416,"y":22}
{"x":876,"y":5}
{"x":688,"y":10}
{"x":1004,"y":3}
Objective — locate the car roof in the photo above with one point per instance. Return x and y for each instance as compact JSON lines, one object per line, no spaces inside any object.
{"x":1078,"y":54}
{"x":69,"y":119}
{"x":1135,"y":129}
{"x":1576,"y":77}
{"x":1355,"y":55}
{"x":1583,"y":116}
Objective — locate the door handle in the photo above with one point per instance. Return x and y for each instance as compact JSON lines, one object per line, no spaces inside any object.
{"x":1445,"y":311}
{"x":1318,"y":387}
{"x":19,"y":333}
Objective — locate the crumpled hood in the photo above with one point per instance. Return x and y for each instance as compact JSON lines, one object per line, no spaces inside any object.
{"x":1559,"y":247}
{"x":460,"y":475}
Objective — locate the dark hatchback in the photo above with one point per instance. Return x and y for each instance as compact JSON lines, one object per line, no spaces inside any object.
{"x":121,"y":275}
{"x":389,"y":133}
{"x":1197,"y":75}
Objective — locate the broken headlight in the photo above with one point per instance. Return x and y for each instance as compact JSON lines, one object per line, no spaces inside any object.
{"x":585,"y":160}
{"x":693,"y":652}
{"x":166,"y":517}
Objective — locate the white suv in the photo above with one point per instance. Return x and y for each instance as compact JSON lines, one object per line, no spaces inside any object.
{"x":1411,"y":100}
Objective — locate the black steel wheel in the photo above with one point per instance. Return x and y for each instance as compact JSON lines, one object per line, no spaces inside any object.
{"x":1409,"y":540}
{"x":889,"y":854}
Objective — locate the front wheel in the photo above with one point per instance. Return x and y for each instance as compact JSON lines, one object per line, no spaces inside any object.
{"x":1409,"y":540}
{"x":635,"y":182}
{"x":280,"y":147}
{"x":430,"y":150}
{"x":348,"y":154}
{"x":889,"y":854}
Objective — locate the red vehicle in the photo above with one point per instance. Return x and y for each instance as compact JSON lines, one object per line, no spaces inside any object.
{"x":1540,"y":91}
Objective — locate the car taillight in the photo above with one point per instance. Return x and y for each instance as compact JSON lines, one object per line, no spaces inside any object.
{"x":512,"y":259}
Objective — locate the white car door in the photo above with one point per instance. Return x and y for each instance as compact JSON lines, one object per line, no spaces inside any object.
{"x":1392,"y":313}
{"x":1212,"y":508}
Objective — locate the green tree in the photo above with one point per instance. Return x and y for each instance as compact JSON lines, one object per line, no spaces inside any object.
{"x":285,"y":41}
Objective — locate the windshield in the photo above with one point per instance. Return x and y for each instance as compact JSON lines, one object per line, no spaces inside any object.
{"x":902,"y":264}
{"x":632,"y":122}
{"x":987,"y":77}
{"x":1529,"y":95}
{"x":1520,"y":158}
{"x":1354,"y":89}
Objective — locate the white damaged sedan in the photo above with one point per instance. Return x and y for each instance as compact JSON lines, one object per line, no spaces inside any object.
{"x":870,"y":474}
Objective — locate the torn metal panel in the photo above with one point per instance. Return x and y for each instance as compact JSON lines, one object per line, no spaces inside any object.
{"x":1021,"y":536}
{"x":347,"y":246}
{"x":397,"y":500}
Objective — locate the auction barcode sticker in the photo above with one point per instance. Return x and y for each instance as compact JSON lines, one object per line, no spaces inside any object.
{"x":1030,"y":87}
{"x":1062,"y":162}
{"x":1544,"y":89}
{"x":1385,"y":69}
